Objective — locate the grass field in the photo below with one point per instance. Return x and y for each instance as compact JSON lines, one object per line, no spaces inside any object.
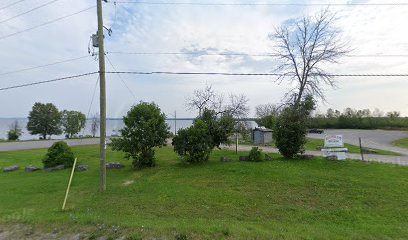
{"x":316,"y":144}
{"x":307,"y":199}
{"x":401,"y":143}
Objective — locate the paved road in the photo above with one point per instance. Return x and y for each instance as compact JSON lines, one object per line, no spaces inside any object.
{"x":12,"y":146}
{"x":399,"y":160}
{"x":380,"y":139}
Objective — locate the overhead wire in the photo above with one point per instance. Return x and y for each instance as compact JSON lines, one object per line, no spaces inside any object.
{"x":120,"y":77}
{"x":46,"y":23}
{"x":48,"y":81}
{"x":45,"y":65}
{"x":11,"y":4}
{"x":260,"y":3}
{"x":249,"y":74}
{"x":29,"y":11}
{"x":196,"y":73}
{"x":198,"y":53}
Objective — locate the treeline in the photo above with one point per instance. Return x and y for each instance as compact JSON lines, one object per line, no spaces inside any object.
{"x":358,"y":119}
{"x":45,"y":120}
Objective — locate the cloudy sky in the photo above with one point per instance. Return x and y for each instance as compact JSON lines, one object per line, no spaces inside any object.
{"x":200,"y":29}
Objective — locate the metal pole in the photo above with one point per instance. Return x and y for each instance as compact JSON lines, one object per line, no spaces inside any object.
{"x":102,"y":82}
{"x":175,"y":122}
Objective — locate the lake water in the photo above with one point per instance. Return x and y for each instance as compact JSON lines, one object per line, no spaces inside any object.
{"x":112,"y":127}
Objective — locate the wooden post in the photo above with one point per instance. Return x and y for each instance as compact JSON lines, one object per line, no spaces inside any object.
{"x":361,"y":149}
{"x":102,"y":83}
{"x":236,"y":143}
{"x":69,"y":184}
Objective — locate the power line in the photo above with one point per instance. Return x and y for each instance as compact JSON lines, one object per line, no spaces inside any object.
{"x":198,"y":53}
{"x":46,"y":23}
{"x":194,"y":73}
{"x":261,"y":4}
{"x":31,"y":10}
{"x":120,"y":77}
{"x":48,"y":81}
{"x":11,"y":4}
{"x":45,"y":65}
{"x":250,"y":74}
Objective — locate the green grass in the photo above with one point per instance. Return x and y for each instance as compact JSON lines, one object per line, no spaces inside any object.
{"x":298,"y":199}
{"x":401,"y":143}
{"x":315,"y":144}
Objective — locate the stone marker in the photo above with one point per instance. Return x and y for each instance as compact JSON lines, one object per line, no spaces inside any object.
{"x":56,"y":168}
{"x":82,"y":168}
{"x":32,"y":169}
{"x":114,"y":166}
{"x":243,"y":158}
{"x":225,"y":159}
{"x":11,"y":169}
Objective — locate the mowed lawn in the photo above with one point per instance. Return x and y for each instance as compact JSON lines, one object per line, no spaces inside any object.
{"x":401,"y":143}
{"x":297,"y":199}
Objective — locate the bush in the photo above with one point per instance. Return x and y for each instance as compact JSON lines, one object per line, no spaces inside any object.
{"x":12,"y":135}
{"x":15,"y":131}
{"x":291,"y":128}
{"x":145,"y":128}
{"x":193,"y":144}
{"x":59,"y":154}
{"x":256,"y":155}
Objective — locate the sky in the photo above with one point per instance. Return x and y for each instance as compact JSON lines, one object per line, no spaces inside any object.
{"x":201,"y":29}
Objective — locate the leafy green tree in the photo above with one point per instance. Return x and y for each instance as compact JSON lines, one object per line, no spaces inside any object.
{"x":145,"y":128}
{"x":59,"y":154}
{"x":72,"y":122}
{"x":291,"y":128}
{"x":44,"y":119}
{"x":219,"y":128}
{"x":193,"y":144}
{"x":15,"y":131}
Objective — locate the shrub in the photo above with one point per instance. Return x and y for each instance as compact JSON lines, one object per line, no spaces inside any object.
{"x":59,"y":154}
{"x":193,"y":144}
{"x":291,"y":128}
{"x":256,"y":155}
{"x":15,"y":131}
{"x":145,"y":128}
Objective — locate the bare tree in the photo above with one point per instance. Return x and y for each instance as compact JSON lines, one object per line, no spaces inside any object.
{"x":209,"y":99}
{"x":304,"y":48}
{"x":268,"y":109}
{"x":94,"y":125}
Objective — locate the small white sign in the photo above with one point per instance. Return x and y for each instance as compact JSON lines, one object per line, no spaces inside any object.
{"x":332,"y":141}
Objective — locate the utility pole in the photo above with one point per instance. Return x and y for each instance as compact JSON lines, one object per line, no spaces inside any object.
{"x":102,"y":83}
{"x":175,"y":122}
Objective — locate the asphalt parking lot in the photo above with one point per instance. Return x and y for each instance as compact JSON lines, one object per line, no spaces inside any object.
{"x":380,"y":139}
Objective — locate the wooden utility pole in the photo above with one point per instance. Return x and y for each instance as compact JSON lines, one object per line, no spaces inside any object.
{"x":175,"y":123}
{"x":102,"y":83}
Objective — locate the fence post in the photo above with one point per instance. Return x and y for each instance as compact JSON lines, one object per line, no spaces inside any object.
{"x":361,"y":149}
